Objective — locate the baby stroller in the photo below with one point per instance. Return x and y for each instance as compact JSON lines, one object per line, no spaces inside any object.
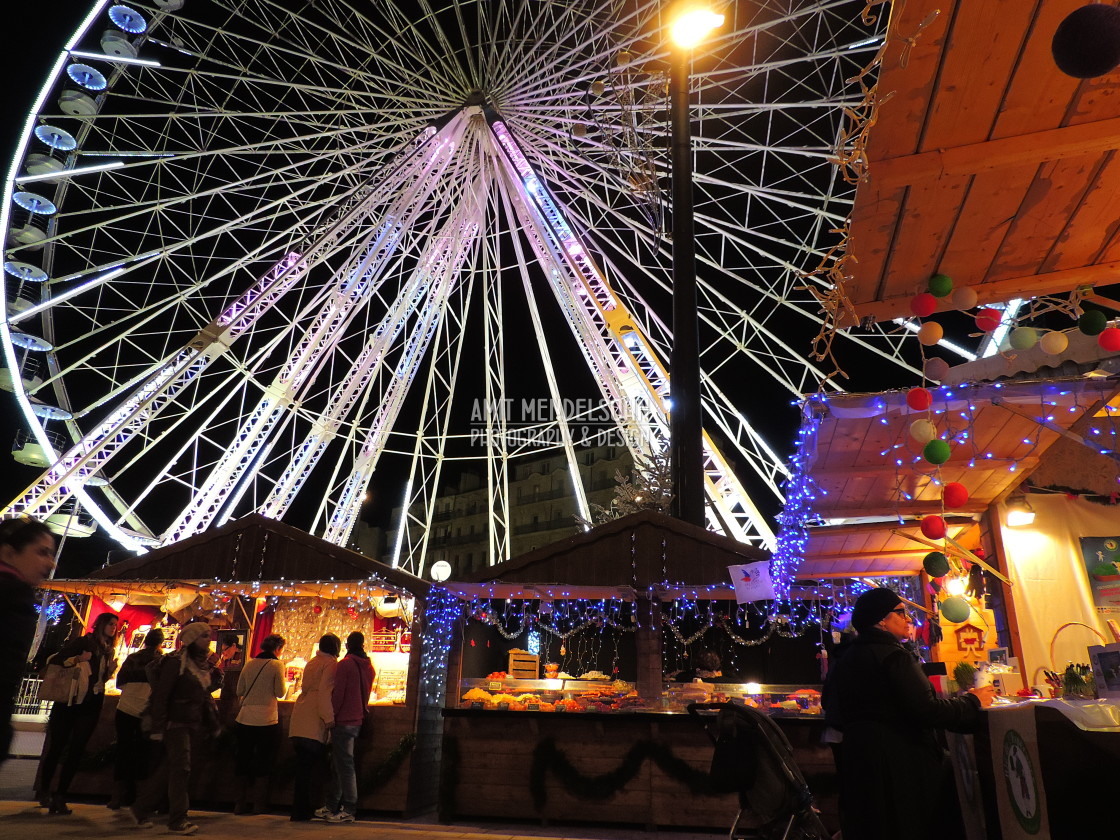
{"x":754,"y":759}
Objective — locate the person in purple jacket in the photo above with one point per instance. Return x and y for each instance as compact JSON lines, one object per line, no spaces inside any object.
{"x":353,"y":681}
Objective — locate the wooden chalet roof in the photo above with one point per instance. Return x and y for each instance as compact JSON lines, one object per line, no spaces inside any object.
{"x":988,"y":163}
{"x":251,"y":551}
{"x":863,"y":437}
{"x":636,"y":552}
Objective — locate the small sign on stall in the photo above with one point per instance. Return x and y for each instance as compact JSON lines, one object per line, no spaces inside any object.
{"x":493,"y":685}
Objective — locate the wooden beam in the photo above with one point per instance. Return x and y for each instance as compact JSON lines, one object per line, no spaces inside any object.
{"x":1052,"y":144}
{"x":874,"y":527}
{"x":906,"y":509}
{"x":1027,"y":286}
{"x":877,"y":573}
{"x":1104,"y":301}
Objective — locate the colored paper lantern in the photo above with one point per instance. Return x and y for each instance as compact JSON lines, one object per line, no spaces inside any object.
{"x":1086,"y":43}
{"x":935,"y":368}
{"x":923,"y":305}
{"x":1054,"y":343}
{"x":936,"y":564}
{"x":965,"y":297}
{"x":1109,"y":339}
{"x":955,"y":609}
{"x":988,"y":319}
{"x":919,"y":399}
{"x":954,"y":494}
{"x":1023,"y":338}
{"x":1092,"y":322}
{"x":933,"y":527}
{"x":940,"y":285}
{"x":936,"y":452}
{"x":930,"y":333}
{"x":923,"y":431}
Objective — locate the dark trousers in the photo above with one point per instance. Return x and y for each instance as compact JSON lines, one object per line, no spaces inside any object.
{"x":172,"y":777}
{"x":132,"y":763}
{"x":69,"y":729}
{"x":257,"y":747}
{"x":307,"y":786}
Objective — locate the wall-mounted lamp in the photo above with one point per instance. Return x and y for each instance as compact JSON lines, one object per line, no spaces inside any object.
{"x":1019,"y":512}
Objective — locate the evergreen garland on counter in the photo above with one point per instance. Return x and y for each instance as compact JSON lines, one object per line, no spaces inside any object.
{"x":547,"y":756}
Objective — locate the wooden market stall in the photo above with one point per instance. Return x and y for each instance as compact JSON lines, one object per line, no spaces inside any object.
{"x":257,"y":576}
{"x":1037,"y":604}
{"x":518,"y":746}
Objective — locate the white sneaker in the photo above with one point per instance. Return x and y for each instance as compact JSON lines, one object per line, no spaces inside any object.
{"x":341,"y":817}
{"x":323,"y":813}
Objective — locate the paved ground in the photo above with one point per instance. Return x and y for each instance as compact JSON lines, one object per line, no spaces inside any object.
{"x":20,"y":819}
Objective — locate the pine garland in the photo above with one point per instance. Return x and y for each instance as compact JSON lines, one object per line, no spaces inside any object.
{"x":376,"y":777}
{"x":548,"y":757}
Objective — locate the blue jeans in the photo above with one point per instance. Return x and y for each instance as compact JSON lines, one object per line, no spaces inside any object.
{"x":344,"y":785}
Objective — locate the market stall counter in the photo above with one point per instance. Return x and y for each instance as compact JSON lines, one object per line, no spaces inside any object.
{"x":1045,"y":769}
{"x":641,"y":768}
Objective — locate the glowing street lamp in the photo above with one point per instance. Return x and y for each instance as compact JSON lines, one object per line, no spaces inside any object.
{"x":689,"y":28}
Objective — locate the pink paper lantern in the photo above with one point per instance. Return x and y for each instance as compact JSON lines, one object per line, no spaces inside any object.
{"x":954,"y":494}
{"x":933,"y":527}
{"x":919,"y":399}
{"x":1110,"y":339}
{"x":923,"y":305}
{"x":988,"y":319}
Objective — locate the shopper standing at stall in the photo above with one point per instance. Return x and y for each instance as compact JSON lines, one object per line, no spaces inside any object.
{"x":26,"y":558}
{"x":895,"y":777}
{"x":132,"y":762}
{"x":312,"y":719}
{"x":353,"y":682}
{"x":71,"y":725}
{"x":258,"y":725}
{"x":182,"y":708}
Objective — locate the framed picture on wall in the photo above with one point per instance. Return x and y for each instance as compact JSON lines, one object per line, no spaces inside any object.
{"x":1105,"y":662}
{"x":998,"y":656}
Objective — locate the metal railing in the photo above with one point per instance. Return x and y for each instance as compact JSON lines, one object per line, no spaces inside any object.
{"x":27,"y":698}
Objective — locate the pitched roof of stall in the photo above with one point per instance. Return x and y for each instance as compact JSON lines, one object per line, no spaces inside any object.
{"x":256,"y":548}
{"x":640,"y":550}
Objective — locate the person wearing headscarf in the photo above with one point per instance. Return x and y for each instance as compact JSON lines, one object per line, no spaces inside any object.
{"x":257,"y":728}
{"x":71,"y":724}
{"x":312,"y":720}
{"x":26,"y":558}
{"x":182,"y":707}
{"x":132,"y":761}
{"x":353,"y":682}
{"x":894,"y":775}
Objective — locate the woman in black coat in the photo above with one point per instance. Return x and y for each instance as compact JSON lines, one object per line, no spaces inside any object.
{"x":71,"y":725}
{"x":894,"y":772}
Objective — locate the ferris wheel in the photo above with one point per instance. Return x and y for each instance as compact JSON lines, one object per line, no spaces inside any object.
{"x":255,"y":249}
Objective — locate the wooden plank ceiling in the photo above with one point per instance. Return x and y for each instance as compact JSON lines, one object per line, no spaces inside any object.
{"x":988,"y":163}
{"x":868,"y":466}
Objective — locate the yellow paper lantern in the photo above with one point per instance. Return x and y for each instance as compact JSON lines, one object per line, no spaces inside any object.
{"x":930,"y":333}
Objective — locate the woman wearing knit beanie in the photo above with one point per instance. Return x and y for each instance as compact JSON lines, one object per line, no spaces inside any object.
{"x":895,"y":779}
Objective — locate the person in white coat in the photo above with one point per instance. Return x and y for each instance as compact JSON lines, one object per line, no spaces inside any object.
{"x":312,"y":721}
{"x":257,"y":725}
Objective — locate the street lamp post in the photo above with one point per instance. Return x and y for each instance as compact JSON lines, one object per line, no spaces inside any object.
{"x":686,"y":434}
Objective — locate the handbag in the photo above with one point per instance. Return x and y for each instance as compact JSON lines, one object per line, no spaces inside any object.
{"x":60,"y":684}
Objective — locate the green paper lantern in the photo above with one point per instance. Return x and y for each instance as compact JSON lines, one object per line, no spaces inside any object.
{"x":936,"y":564}
{"x":1023,"y":338}
{"x":936,"y":452}
{"x":1092,"y":322}
{"x":955,"y":609}
{"x":940,"y":285}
